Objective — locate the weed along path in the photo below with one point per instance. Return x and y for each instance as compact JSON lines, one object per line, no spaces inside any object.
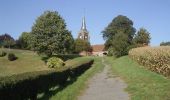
{"x":105,"y":86}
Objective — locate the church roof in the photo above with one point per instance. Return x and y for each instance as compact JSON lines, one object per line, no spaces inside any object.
{"x":98,"y":48}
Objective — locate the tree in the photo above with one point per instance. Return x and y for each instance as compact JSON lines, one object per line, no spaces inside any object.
{"x":82,"y":45}
{"x":118,"y":35}
{"x":6,"y":40}
{"x":50,"y":36}
{"x":165,"y":44}
{"x":24,"y":40}
{"x":142,"y":37}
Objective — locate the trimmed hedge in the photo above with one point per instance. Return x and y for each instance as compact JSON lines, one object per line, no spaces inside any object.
{"x":11,"y":57}
{"x":156,"y":59}
{"x":28,"y":85}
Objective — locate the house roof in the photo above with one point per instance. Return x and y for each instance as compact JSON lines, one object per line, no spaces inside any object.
{"x":98,"y":48}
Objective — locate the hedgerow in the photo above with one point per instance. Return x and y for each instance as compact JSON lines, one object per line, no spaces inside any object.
{"x":28,"y":85}
{"x":156,"y":59}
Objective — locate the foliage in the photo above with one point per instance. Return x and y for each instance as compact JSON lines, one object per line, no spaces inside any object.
{"x":11,"y":57}
{"x":142,"y":84}
{"x":55,"y":62}
{"x":50,"y":36}
{"x":165,"y":44}
{"x":142,"y":38}
{"x":72,"y":91}
{"x":118,"y":35}
{"x":2,"y":53}
{"x":156,"y":59}
{"x":29,"y":84}
{"x":82,"y":45}
{"x":6,"y":40}
{"x":24,"y":41}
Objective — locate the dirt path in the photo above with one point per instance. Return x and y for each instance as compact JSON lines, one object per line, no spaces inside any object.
{"x":105,"y":86}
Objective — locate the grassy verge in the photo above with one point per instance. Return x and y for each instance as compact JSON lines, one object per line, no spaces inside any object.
{"x":142,"y":84}
{"x":71,"y":91}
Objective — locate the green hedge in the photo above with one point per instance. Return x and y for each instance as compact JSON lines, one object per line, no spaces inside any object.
{"x":28,"y":85}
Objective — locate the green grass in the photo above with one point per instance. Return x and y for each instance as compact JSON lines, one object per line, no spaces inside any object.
{"x":74,"y":89}
{"x":142,"y":84}
{"x":27,"y":61}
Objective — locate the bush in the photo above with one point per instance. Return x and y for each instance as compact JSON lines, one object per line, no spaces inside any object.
{"x":156,"y":59}
{"x":55,"y":62}
{"x":11,"y":57}
{"x":2,"y":53}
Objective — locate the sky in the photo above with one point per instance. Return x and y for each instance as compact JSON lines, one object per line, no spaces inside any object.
{"x":17,"y":16}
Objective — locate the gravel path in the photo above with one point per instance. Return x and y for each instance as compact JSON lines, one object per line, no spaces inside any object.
{"x":105,"y":86}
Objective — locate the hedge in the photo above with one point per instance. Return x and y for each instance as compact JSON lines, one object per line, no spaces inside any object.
{"x":28,"y":85}
{"x":156,"y":59}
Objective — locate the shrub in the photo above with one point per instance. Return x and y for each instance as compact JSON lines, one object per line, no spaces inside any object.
{"x":156,"y":59}
{"x":2,"y":53}
{"x":11,"y":57}
{"x":55,"y":62}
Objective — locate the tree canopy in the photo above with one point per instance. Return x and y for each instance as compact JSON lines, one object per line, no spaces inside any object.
{"x":142,"y":37}
{"x":24,"y":40}
{"x":6,"y":40}
{"x":50,"y":36}
{"x":82,"y":45}
{"x":118,"y":35}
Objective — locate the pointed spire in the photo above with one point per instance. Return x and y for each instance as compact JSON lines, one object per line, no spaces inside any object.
{"x":83,"y":27}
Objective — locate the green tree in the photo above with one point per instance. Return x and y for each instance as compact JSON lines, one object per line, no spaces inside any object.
{"x":165,"y":44}
{"x":118,"y":35}
{"x":24,"y":40}
{"x":6,"y":40}
{"x":142,"y":37}
{"x":82,"y":45}
{"x":50,"y":36}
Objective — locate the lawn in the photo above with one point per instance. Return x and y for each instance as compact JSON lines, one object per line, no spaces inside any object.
{"x":142,"y":83}
{"x":27,"y":61}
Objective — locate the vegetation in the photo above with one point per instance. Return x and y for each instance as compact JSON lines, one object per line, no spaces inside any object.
{"x":50,"y":36}
{"x":82,"y":45}
{"x":2,"y":53}
{"x":55,"y":62}
{"x":75,"y":88}
{"x":6,"y":41}
{"x":142,"y":38}
{"x":29,"y":84}
{"x":156,"y":59}
{"x":165,"y":44}
{"x":118,"y":35}
{"x":24,"y":41}
{"x":28,"y":61}
{"x":11,"y":57}
{"x":142,"y":84}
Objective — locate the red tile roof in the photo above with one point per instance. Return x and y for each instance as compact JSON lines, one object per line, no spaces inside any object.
{"x":98,"y":48}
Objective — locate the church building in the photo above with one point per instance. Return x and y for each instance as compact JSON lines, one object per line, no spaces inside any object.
{"x":98,"y":50}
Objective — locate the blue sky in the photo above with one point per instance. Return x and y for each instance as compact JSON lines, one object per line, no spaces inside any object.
{"x":17,"y":16}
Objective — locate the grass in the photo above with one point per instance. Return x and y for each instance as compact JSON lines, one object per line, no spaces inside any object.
{"x":142,"y":84}
{"x":27,"y":61}
{"x":71,"y":91}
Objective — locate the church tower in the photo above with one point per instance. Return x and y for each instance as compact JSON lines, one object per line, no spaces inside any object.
{"x":83,"y":33}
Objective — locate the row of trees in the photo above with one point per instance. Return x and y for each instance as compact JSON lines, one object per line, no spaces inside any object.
{"x":120,"y":36}
{"x":48,"y":36}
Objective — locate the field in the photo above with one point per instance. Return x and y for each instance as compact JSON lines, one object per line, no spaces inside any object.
{"x":27,"y":61}
{"x":142,"y":83}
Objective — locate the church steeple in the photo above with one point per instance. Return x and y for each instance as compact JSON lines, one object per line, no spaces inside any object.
{"x":83,"y":34}
{"x":83,"y":27}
